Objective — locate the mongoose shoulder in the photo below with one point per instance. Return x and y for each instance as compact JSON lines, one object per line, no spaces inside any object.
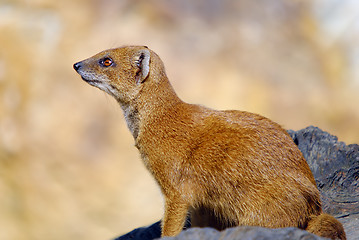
{"x":224,"y":168}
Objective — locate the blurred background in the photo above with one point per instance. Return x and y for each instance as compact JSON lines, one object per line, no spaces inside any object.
{"x":68,"y":165}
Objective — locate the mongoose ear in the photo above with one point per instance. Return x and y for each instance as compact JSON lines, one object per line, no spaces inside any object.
{"x":142,"y":61}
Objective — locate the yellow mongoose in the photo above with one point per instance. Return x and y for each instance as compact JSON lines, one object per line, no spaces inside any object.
{"x":224,"y":168}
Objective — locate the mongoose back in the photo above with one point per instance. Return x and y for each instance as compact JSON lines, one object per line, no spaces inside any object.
{"x":223,"y":168}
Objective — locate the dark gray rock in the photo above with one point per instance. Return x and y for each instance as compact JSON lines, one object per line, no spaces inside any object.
{"x":240,"y":233}
{"x":144,"y":233}
{"x":244,"y":233}
{"x":335,"y":166}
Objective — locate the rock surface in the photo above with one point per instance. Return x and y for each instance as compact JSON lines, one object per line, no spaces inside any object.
{"x":241,"y":232}
{"x":244,"y":233}
{"x":335,"y":166}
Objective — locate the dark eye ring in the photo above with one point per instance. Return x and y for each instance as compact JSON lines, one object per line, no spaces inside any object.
{"x":106,"y":62}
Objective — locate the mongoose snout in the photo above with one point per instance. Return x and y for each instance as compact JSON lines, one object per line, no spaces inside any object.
{"x":223,"y":168}
{"x":77,"y":66}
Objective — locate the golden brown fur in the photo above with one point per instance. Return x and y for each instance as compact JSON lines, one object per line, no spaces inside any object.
{"x":225,"y":168}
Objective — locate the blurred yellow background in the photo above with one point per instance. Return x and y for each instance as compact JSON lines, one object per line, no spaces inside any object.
{"x":68,"y":165}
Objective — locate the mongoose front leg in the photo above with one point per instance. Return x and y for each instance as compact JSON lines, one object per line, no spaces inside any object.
{"x":174,"y":217}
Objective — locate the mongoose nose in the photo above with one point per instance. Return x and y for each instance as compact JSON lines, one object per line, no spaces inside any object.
{"x":77,"y":66}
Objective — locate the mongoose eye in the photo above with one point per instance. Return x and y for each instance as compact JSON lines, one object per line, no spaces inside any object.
{"x":106,"y":62}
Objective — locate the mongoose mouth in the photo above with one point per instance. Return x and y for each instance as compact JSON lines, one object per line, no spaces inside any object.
{"x":83,"y":78}
{"x":90,"y":81}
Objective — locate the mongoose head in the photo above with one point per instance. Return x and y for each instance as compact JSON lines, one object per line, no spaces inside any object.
{"x":119,"y":72}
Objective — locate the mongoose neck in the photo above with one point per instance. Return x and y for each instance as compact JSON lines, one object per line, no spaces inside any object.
{"x":155,"y":100}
